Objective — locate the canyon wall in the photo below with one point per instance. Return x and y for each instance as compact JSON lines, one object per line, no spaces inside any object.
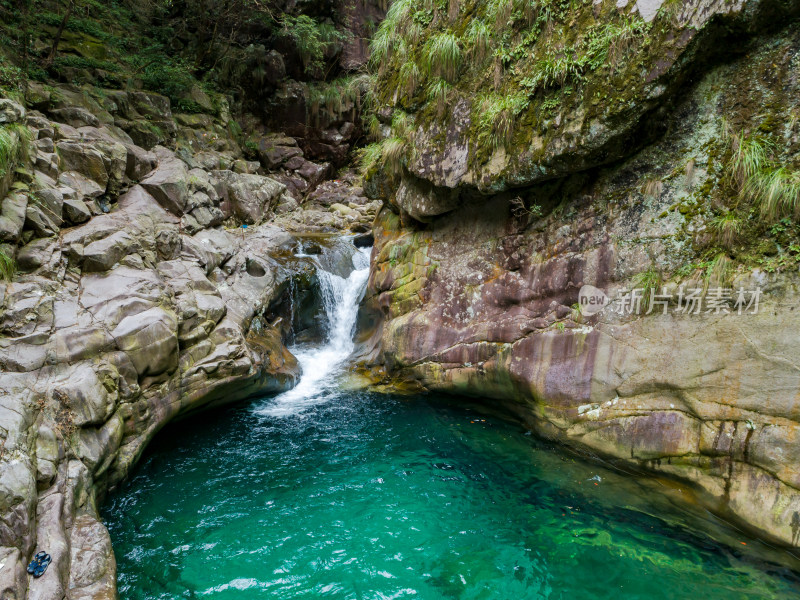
{"x":550,"y":170}
{"x":149,"y":272}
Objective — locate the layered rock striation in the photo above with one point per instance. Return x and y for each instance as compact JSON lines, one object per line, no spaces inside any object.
{"x":624,"y":176}
{"x":150,"y":283}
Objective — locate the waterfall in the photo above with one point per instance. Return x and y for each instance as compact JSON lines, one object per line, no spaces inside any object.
{"x":341,"y":297}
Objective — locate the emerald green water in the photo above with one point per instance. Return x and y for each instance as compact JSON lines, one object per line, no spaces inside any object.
{"x":367,"y":497}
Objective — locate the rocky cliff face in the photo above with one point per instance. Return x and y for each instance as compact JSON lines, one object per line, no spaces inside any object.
{"x":566,"y":156}
{"x":149,"y":285}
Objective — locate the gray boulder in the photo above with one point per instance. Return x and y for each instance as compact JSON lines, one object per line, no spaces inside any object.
{"x":12,"y":216}
{"x":10,"y":111}
{"x":75,"y":211}
{"x":248,"y":198}
{"x":168,"y":183}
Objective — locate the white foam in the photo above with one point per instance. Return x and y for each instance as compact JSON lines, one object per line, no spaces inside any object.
{"x":341,"y":298}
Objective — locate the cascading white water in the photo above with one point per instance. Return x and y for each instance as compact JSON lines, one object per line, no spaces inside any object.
{"x":341,"y":298}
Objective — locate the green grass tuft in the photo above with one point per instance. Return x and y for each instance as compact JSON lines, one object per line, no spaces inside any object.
{"x":14,"y":143}
{"x":442,"y":56}
{"x":402,"y":124}
{"x":776,"y":189}
{"x":649,"y":282}
{"x":394,"y":154}
{"x":497,"y":118}
{"x":410,"y":78}
{"x":719,"y":272}
{"x":499,"y":13}
{"x":438,"y":92}
{"x":8,"y":266}
{"x":478,"y":39}
{"x":373,"y":127}
{"x":369,"y":158}
{"x":728,"y":227}
{"x":390,"y":153}
{"x":380,"y":48}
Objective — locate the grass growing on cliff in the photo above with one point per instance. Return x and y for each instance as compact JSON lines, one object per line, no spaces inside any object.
{"x":497,"y":118}
{"x":410,"y":78}
{"x":553,"y":71}
{"x":478,"y":39}
{"x":649,"y":282}
{"x":438,"y":93}
{"x":372,"y":125}
{"x":728,"y":227}
{"x":390,"y":153}
{"x":607,"y":44}
{"x":389,"y":35}
{"x":369,"y":158}
{"x":499,"y":12}
{"x":402,"y":124}
{"x":442,"y":56}
{"x":14,"y":140}
{"x":333,"y":98}
{"x":380,"y":49}
{"x":8,"y":266}
{"x":603,"y":46}
{"x":719,"y":272}
{"x":774,"y":188}
{"x":394,"y":154}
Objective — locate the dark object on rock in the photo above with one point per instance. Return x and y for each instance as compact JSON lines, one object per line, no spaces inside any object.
{"x":42,"y":566}
{"x":39,"y":564}
{"x":366,"y":240}
{"x":311,"y":249}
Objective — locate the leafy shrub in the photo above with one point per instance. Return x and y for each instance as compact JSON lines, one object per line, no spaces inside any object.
{"x":169,"y":77}
{"x":11,"y":77}
{"x":312,"y":39}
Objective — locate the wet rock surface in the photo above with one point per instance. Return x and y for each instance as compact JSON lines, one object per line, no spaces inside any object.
{"x":477,"y":272}
{"x":153,"y":278}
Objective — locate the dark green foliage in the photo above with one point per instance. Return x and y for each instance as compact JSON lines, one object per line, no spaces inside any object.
{"x":8,"y":266}
{"x":11,"y":77}
{"x":312,"y":39}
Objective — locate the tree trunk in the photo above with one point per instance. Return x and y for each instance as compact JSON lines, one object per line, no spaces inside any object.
{"x":57,"y":39}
